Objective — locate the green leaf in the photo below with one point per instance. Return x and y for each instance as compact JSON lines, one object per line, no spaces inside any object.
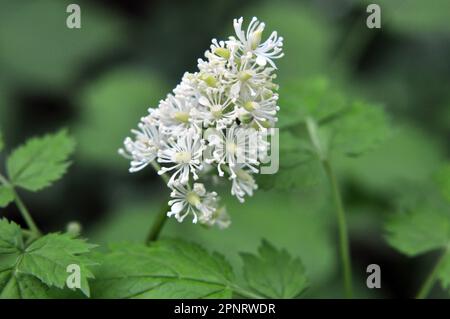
{"x":345,"y":125}
{"x":274,"y":273}
{"x":166,"y":269}
{"x":298,"y":165}
{"x":414,"y":16}
{"x":419,"y":231}
{"x":31,"y":270}
{"x":58,"y":53}
{"x":11,"y":240}
{"x":2,"y":144}
{"x":123,"y":95}
{"x":424,"y":229}
{"x":6,"y":196}
{"x":361,"y":128}
{"x":41,"y":161}
{"x":309,"y":98}
{"x":443,"y":180}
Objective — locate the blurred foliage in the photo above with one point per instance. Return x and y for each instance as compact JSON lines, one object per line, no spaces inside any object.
{"x":99,"y":80}
{"x":116,"y":100}
{"x":37,"y":48}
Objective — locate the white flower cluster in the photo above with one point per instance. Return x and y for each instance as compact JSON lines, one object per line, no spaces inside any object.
{"x":225,"y":109}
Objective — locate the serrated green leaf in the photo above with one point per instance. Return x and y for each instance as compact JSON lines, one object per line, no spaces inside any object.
{"x":419,"y":231}
{"x":309,"y":98}
{"x":41,"y":161}
{"x":274,"y":273}
{"x":48,"y":257}
{"x":6,"y":196}
{"x":11,"y":240}
{"x":166,"y":269}
{"x":298,"y":165}
{"x":443,"y":180}
{"x":359,"y":129}
{"x":31,"y":271}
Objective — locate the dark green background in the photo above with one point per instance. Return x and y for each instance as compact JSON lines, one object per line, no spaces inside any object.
{"x":97,"y":81}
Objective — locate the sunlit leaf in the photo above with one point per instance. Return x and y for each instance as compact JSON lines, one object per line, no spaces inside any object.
{"x":40,"y":161}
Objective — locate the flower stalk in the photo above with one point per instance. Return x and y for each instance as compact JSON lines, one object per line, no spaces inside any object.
{"x":344,"y":247}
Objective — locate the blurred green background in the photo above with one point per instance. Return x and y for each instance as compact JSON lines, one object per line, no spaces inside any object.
{"x":98,"y":80}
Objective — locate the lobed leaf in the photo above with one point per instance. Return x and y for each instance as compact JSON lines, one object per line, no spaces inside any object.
{"x":166,"y":269}
{"x":31,"y":270}
{"x":274,"y":273}
{"x":419,"y":231}
{"x":41,"y":161}
{"x":6,"y":196}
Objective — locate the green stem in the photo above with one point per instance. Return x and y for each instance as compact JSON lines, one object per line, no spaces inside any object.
{"x":344,"y":247}
{"x":432,"y":278}
{"x":22,"y":208}
{"x":161,"y":218}
{"x":157,"y":225}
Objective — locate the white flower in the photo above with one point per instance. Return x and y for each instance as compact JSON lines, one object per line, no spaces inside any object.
{"x":219,"y":218}
{"x":236,"y":146}
{"x":243,"y":183}
{"x":231,"y":102}
{"x":219,"y":109}
{"x":185,"y":154}
{"x":262,"y":110}
{"x":248,"y":77}
{"x":250,"y":41}
{"x":195,"y":201}
{"x":175,"y":116}
{"x":144,"y":148}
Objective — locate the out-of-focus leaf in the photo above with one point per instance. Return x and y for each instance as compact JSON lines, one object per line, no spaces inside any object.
{"x":422,"y":229}
{"x":37,"y":46}
{"x":29,"y":270}
{"x":112,"y":107}
{"x":361,"y":128}
{"x":408,"y":156}
{"x":415,"y":16}
{"x":274,"y":273}
{"x":298,"y":165}
{"x":443,"y":180}
{"x":416,"y":232}
{"x":295,"y":220}
{"x":308,"y":37}
{"x":166,"y":269}
{"x":313,"y":97}
{"x":41,"y":161}
{"x":6,"y":196}
{"x":2,"y":144}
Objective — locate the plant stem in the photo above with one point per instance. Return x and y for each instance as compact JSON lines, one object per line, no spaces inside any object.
{"x":432,"y":277}
{"x":344,"y":247}
{"x":161,"y":218}
{"x":157,"y":225}
{"x":22,"y":208}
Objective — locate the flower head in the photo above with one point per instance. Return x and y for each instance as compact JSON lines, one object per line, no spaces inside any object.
{"x":233,"y":95}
